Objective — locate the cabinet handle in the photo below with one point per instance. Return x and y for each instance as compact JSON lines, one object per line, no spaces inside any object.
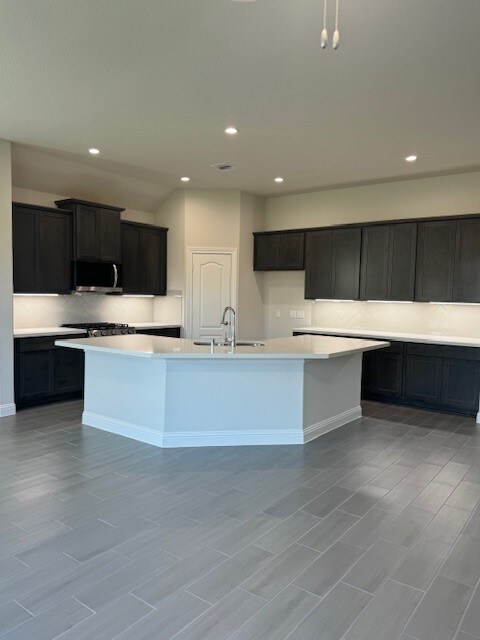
{"x":115,"y":276}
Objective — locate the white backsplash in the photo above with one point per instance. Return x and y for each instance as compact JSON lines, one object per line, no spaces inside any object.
{"x":169,"y":308}
{"x":44,"y":311}
{"x":445,"y":319}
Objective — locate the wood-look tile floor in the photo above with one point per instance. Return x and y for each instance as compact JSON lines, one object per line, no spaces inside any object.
{"x":371,"y":532}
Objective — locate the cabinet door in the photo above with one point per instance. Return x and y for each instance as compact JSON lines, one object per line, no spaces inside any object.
{"x":291,"y":251}
{"x":69,"y":365}
{"x":435,"y":261}
{"x":154,"y":252}
{"x":35,"y":379}
{"x":54,"y":252}
{"x":375,"y":263}
{"x":132,"y":260}
{"x":388,"y":374}
{"x":86,"y":244}
{"x":461,"y":384}
{"x":423,"y":379}
{"x":346,"y":264}
{"x":318,"y":264}
{"x":402,"y":259}
{"x":265,"y":253}
{"x":108,"y":238}
{"x":368,"y":373}
{"x":467,"y":262}
{"x":24,"y":257}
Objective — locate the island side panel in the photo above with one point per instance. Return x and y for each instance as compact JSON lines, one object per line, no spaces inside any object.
{"x":125,"y":395}
{"x":234,"y":402}
{"x":331,"y":394}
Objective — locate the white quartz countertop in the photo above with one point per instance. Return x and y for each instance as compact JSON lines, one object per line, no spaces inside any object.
{"x":33,"y":332}
{"x":299,"y":347}
{"x":427,"y":338}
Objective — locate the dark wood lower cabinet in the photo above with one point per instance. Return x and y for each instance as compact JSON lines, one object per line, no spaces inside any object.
{"x":167,"y":332}
{"x":461,"y":383}
{"x":46,"y":373}
{"x":423,"y":380}
{"x":428,"y":376}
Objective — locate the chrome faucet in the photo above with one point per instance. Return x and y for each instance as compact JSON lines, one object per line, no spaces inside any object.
{"x":233,"y":325}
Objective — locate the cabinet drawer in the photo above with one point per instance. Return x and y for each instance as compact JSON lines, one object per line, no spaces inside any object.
{"x":444,"y":351}
{"x":24,"y":345}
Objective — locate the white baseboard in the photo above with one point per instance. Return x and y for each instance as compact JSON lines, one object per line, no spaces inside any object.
{"x":193,"y":438}
{"x":329,"y":424}
{"x":7,"y":410}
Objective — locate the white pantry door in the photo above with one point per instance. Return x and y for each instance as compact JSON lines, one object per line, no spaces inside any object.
{"x":211,"y":293}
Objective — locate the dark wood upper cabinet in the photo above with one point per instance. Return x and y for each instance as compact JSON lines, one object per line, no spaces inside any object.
{"x":144,"y":258}
{"x":435,"y":261}
{"x":403,"y":260}
{"x":85,"y":238}
{"x":42,"y":249}
{"x":388,"y":262}
{"x":54,"y":252}
{"x":318,"y":264}
{"x":131,"y":258}
{"x":375,"y":261}
{"x":265,"y":252}
{"x":24,"y":249}
{"x":96,"y":230}
{"x":155,"y":261}
{"x":332,"y":264}
{"x":109,"y":235}
{"x":346,"y":264}
{"x":466,"y":284}
{"x":279,"y":251}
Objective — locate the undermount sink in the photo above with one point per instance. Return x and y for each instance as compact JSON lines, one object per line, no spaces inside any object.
{"x":240,"y":343}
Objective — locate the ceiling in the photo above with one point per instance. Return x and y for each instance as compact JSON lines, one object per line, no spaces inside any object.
{"x":153,"y":84}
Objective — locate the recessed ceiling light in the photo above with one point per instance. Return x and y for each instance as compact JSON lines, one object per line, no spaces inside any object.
{"x":279,"y":179}
{"x":94,"y":151}
{"x":411,"y":158}
{"x":185,"y":179}
{"x":231,"y":131}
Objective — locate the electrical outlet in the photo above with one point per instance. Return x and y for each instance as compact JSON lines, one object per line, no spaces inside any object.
{"x":278,"y":313}
{"x":301,"y":314}
{"x":293,"y":313}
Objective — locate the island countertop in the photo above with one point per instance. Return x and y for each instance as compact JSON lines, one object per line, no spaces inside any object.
{"x":306,"y":347}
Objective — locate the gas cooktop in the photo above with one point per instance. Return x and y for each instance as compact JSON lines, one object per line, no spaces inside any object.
{"x":98,"y":329}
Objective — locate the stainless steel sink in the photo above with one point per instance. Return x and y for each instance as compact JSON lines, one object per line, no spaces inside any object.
{"x":240,"y":343}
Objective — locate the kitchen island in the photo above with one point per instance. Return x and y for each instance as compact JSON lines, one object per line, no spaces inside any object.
{"x":171,"y":392}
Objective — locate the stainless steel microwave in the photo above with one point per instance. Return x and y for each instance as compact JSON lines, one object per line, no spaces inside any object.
{"x":97,"y":277}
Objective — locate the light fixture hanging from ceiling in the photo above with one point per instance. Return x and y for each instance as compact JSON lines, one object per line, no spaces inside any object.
{"x":336,"y":33}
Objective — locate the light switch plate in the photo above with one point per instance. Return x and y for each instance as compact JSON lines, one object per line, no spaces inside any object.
{"x":278,"y":313}
{"x":293,"y":313}
{"x":301,"y":314}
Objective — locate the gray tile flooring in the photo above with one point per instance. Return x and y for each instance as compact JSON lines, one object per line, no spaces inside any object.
{"x":371,"y":532}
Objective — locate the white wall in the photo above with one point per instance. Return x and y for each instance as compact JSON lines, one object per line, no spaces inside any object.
{"x":440,"y":196}
{"x":7,"y":405}
{"x":427,"y":197}
{"x":218,"y":219}
{"x":212,"y":218}
{"x":250,"y":302}
{"x":31,"y":196}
